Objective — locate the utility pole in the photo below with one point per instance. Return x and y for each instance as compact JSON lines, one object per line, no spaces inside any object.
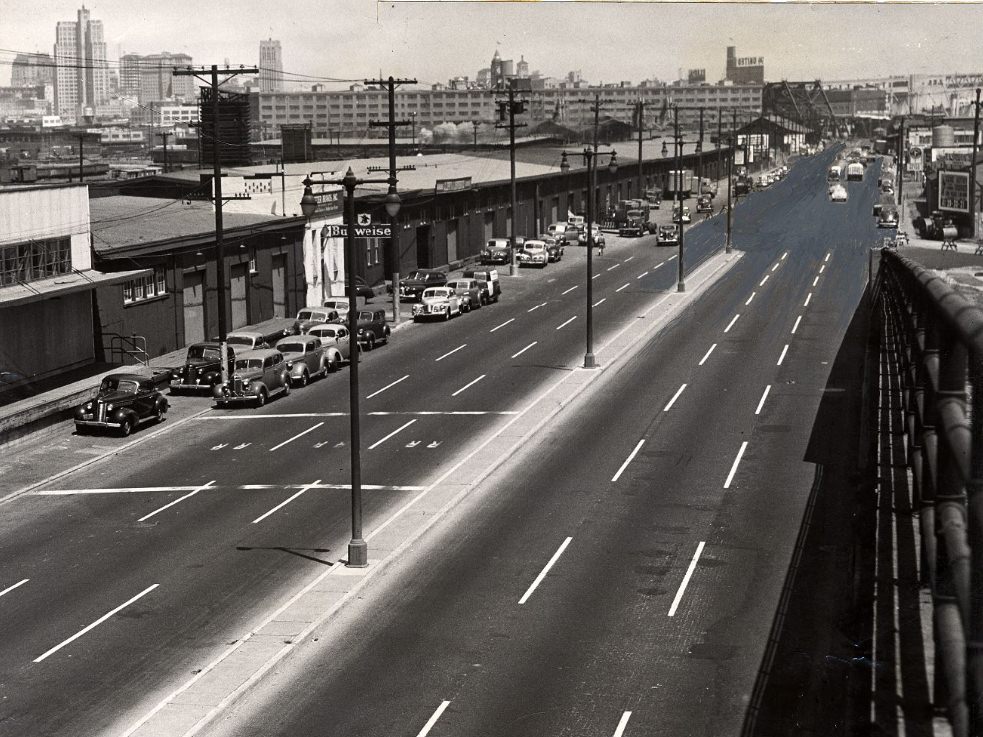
{"x":512,"y":106}
{"x":390,"y":84}
{"x":730,"y":173}
{"x":596,"y":108}
{"x":641,"y":130}
{"x":212,"y":81}
{"x":165,"y":135}
{"x":680,"y":281}
{"x":475,"y":124}
{"x":901,"y":149}
{"x":719,"y":142}
{"x":699,"y":160}
{"x":972,"y":167}
{"x":81,"y":161}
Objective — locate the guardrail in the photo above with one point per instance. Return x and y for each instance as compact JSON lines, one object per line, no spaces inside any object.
{"x":940,"y":337}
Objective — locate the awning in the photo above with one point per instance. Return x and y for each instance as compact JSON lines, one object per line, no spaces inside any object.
{"x":77,"y":281}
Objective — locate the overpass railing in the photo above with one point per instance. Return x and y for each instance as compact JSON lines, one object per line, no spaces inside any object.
{"x":941,"y":364}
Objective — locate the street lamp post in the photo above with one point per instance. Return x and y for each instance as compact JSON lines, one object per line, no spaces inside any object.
{"x":358,"y":551}
{"x":589,"y":154}
{"x":680,"y":281}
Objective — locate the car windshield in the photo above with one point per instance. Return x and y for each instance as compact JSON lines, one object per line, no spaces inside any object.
{"x":325,"y":332}
{"x":421,"y":275}
{"x":123,"y":386}
{"x":239,"y":340}
{"x":437,"y":293}
{"x":249,"y":364}
{"x":291,"y":347}
{"x":304,"y":315}
{"x":535,"y":245}
{"x":337,"y":305}
{"x":204,"y":352}
{"x":364,"y":315}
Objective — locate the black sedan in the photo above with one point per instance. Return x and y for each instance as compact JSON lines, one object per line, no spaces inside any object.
{"x":123,"y":402}
{"x":413,"y":285}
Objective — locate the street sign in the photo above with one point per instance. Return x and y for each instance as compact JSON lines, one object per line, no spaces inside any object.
{"x":954,"y":191}
{"x":361,"y":231}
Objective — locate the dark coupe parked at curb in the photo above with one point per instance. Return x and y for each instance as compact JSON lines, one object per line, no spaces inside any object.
{"x":123,"y":402}
{"x":497,"y":251}
{"x":202,"y":368}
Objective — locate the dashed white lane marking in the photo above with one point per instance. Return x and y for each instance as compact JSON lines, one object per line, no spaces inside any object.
{"x":377,"y":443}
{"x":774,"y":267}
{"x":533,"y":309}
{"x":707,"y":355}
{"x":11,"y":588}
{"x":176,"y":501}
{"x":602,"y":299}
{"x":614,"y":266}
{"x":240,"y":416}
{"x":643,"y":274}
{"x":674,"y":398}
{"x":784,"y":255}
{"x":623,"y":286}
{"x":737,"y":462}
{"x":282,"y":504}
{"x":566,"y":323}
{"x":95,"y":624}
{"x":675,"y":255}
{"x":815,"y":281}
{"x":622,"y":724}
{"x":516,"y":355}
{"x":822,"y":268}
{"x":627,"y":259}
{"x":762,"y":282}
{"x":686,"y":578}
{"x":470,"y":383}
{"x":628,"y":460}
{"x":808,"y":299}
{"x":570,"y":289}
{"x":542,"y":574}
{"x":761,"y":403}
{"x":387,"y":386}
{"x":827,"y":257}
{"x":511,"y":319}
{"x":796,"y":326}
{"x":731,"y":323}
{"x":596,"y":276}
{"x":298,"y":435}
{"x":433,"y":719}
{"x":244,"y":487}
{"x":749,"y":299}
{"x":450,"y":353}
{"x":782,"y":357}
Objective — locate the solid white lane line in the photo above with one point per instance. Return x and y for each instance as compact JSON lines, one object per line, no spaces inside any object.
{"x":674,"y":398}
{"x":122,"y":490}
{"x":731,"y":323}
{"x":602,"y":299}
{"x":387,"y":386}
{"x":533,"y":309}
{"x":796,"y":326}
{"x":271,"y":417}
{"x":686,"y":578}
{"x":516,"y":355}
{"x":644,"y":274}
{"x":628,"y":460}
{"x":782,"y":357}
{"x":298,"y":435}
{"x":511,"y":319}
{"x":623,"y":286}
{"x":822,"y":268}
{"x":403,"y":427}
{"x":622,"y":724}
{"x":244,"y":487}
{"x":749,"y":299}
{"x":627,"y":259}
{"x":761,"y":403}
{"x":11,"y":588}
{"x":596,"y":276}
{"x":615,"y":266}
{"x":285,"y":503}
{"x":176,"y":501}
{"x":774,"y":267}
{"x":815,"y":281}
{"x":449,"y":353}
{"x":784,"y":255}
{"x":737,"y":461}
{"x":454,"y":412}
{"x":762,"y":282}
{"x":95,"y":624}
{"x":570,"y":289}
{"x":433,"y":719}
{"x":808,"y":298}
{"x":707,"y":355}
{"x":542,"y":574}
{"x":827,"y":256}
{"x":675,"y":255}
{"x":567,"y":322}
{"x":472,"y":383}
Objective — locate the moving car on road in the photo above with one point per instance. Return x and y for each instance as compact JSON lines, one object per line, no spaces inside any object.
{"x":437,"y":302}
{"x":668,"y":236}
{"x":305,"y":358}
{"x":123,"y":402}
{"x":256,"y":377}
{"x":686,"y":216}
{"x":837,"y":193}
{"x":598,"y":236}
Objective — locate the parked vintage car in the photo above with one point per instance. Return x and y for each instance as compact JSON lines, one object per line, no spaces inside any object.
{"x":417,"y":281}
{"x":491,"y":288}
{"x":336,"y":341}
{"x":668,"y":236}
{"x":246,"y":340}
{"x":311,"y":316}
{"x":469,"y":292}
{"x":372,"y":328}
{"x":534,"y":253}
{"x":496,"y":251}
{"x":554,"y":251}
{"x":339,"y":305}
{"x":123,"y":402}
{"x":437,"y":302}
{"x":305,"y":358}
{"x":256,"y":377}
{"x":202,"y":368}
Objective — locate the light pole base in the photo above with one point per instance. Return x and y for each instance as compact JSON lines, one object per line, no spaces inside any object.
{"x":358,"y":553}
{"x":589,"y":361}
{"x":681,"y":286}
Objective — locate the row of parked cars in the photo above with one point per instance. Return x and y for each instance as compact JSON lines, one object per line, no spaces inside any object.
{"x":436,"y":296}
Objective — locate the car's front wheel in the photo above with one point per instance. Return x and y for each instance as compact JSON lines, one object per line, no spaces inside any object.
{"x":447,"y":313}
{"x":304,"y":378}
{"x":159,"y":414}
{"x":261,"y":397}
{"x":126,"y":427}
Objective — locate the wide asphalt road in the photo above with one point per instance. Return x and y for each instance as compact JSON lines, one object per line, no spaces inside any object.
{"x":125,"y":577}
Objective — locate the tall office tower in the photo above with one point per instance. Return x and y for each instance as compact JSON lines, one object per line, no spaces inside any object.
{"x":31,"y":70}
{"x":81,"y":76}
{"x":270,"y":66}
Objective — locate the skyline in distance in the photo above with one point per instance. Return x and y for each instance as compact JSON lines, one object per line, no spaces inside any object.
{"x":607,"y":42}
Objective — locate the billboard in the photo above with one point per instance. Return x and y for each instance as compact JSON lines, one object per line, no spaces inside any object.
{"x":696,"y":76}
{"x":751,"y":61}
{"x":954,"y":191}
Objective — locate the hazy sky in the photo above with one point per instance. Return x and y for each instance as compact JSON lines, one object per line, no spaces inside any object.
{"x":607,"y":41}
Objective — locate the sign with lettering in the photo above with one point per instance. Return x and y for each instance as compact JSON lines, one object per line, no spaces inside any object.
{"x":751,"y":61}
{"x":452,"y":185}
{"x":361,"y":231}
{"x":954,"y":191}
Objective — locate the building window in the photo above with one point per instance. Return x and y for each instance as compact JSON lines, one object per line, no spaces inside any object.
{"x":27,"y":262}
{"x":145,"y":287}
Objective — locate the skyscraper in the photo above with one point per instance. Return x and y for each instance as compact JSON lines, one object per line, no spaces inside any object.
{"x":270,"y":66}
{"x":29,"y":70}
{"x":81,"y":76}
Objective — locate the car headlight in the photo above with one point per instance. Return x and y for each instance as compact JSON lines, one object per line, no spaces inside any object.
{"x":109,"y":407}
{"x":88,"y":406}
{"x":290,"y":365}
